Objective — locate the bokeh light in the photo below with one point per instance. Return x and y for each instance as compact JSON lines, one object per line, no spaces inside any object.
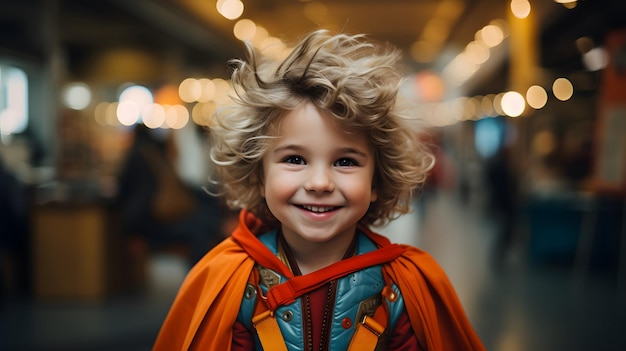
{"x":132,"y":101}
{"x":477,"y":52}
{"x":167,"y":94}
{"x":190,"y":90}
{"x":491,"y":35}
{"x":230,"y":9}
{"x":520,"y":8}
{"x":562,"y":89}
{"x":128,"y":113}
{"x":429,"y":86}
{"x":486,"y":105}
{"x":244,"y":29}
{"x":513,"y":104}
{"x":596,"y":59}
{"x":497,"y":104}
{"x":536,"y":97}
{"x":488,"y":136}
{"x":176,"y":117}
{"x":153,"y":116}
{"x":202,"y":113}
{"x":259,"y":37}
{"x":76,"y":96}
{"x":207,"y":90}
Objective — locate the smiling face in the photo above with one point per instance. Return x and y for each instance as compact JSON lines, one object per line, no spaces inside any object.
{"x":318,"y":179}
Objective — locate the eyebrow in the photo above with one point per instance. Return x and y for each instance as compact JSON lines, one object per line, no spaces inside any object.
{"x":288,"y":147}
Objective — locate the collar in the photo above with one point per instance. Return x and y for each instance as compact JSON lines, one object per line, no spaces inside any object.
{"x":296,"y":286}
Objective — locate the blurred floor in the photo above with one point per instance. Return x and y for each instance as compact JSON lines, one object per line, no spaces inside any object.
{"x":514,"y":305}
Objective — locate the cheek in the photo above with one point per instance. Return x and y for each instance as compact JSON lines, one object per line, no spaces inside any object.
{"x":277,"y":187}
{"x":362,"y":191}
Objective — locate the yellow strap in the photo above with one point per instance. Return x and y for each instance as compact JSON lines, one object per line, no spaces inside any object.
{"x":268,"y":331}
{"x":366,"y":335}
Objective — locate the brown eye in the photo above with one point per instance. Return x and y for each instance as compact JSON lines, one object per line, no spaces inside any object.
{"x":346,"y":162}
{"x":297,"y":160}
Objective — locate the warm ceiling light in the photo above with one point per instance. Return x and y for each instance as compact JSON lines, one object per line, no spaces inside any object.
{"x":486,"y":105}
{"x":260,"y":34}
{"x":520,"y":8}
{"x":231,"y":9}
{"x":491,"y":35}
{"x":497,"y":104}
{"x":477,"y":52}
{"x":202,"y":113}
{"x":244,"y":29}
{"x":207,"y":90}
{"x":513,"y":103}
{"x":536,"y":97}
{"x":153,"y":116}
{"x":562,"y":89}
{"x":189,"y":90}
{"x":471,"y":108}
{"x":176,"y":116}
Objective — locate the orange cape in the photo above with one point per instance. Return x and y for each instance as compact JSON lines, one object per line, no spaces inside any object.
{"x":205,"y":309}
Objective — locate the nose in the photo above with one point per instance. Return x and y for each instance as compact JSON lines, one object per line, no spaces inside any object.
{"x":319,"y":179}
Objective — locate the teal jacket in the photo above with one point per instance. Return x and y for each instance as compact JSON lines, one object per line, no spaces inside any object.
{"x":357,"y":294}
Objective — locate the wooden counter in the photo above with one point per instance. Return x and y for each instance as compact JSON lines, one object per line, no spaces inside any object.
{"x":71,"y":251}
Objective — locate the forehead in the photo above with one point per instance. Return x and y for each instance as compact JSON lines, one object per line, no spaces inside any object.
{"x":308,"y":116}
{"x":307,"y":120}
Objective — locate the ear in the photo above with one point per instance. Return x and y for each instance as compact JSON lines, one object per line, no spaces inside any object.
{"x":374,"y":195}
{"x":374,"y":189}
{"x":262,"y":188}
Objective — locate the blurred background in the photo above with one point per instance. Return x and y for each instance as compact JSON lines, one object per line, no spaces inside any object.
{"x":103,"y":113}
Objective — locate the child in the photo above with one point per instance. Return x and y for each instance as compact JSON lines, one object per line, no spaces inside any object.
{"x":314,"y":152}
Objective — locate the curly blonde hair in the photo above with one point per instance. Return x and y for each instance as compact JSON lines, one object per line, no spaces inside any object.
{"x":351,"y":78}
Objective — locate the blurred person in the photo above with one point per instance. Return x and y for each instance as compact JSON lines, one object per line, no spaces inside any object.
{"x":193,"y":166}
{"x":442,"y":177}
{"x":13,"y":233}
{"x":503,"y":200}
{"x":315,"y":152}
{"x":158,"y":209}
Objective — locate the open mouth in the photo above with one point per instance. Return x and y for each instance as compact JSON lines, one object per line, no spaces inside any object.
{"x":318,"y":209}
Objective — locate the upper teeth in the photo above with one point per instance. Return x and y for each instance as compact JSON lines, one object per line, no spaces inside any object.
{"x":318,"y":208}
